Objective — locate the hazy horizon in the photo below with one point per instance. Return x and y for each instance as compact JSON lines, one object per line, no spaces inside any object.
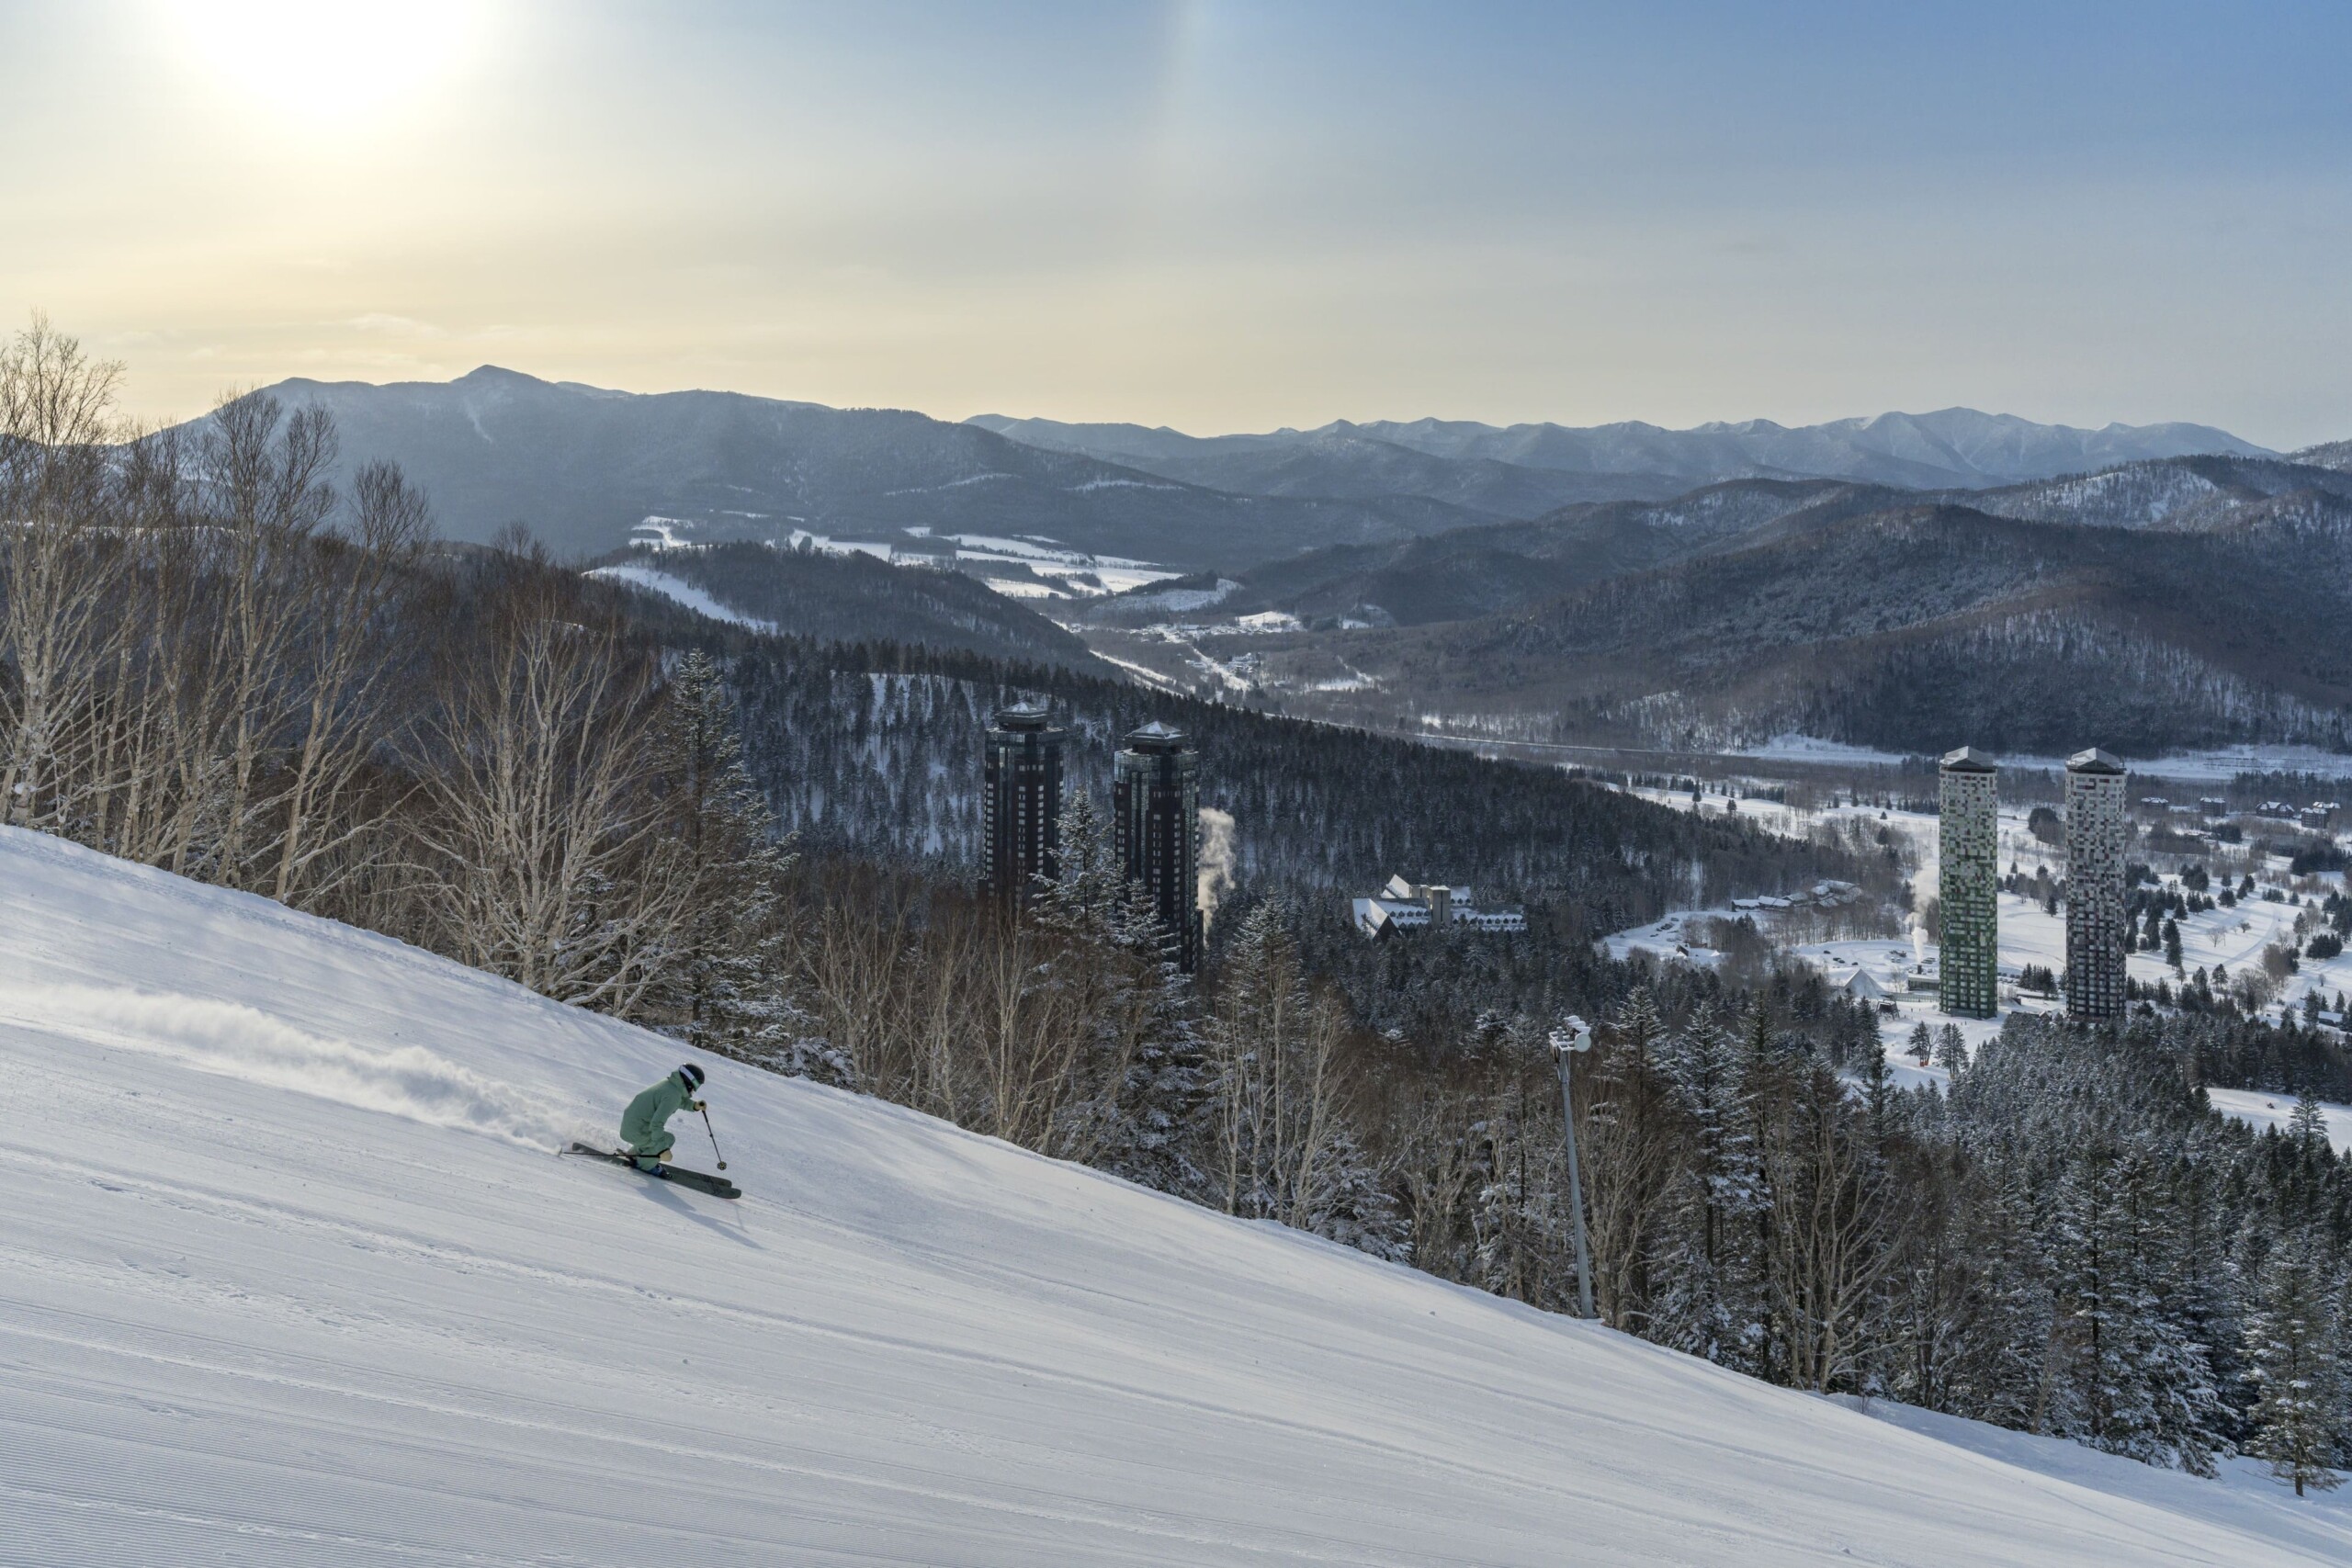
{"x":1206,"y":216}
{"x":1269,"y":430}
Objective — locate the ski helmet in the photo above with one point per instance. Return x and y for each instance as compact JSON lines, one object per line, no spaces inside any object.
{"x":692,"y":1074}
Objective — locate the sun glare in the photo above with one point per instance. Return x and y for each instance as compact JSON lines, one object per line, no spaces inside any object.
{"x":327,"y":61}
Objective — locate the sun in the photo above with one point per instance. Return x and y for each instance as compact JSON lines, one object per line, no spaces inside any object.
{"x":327,"y":61}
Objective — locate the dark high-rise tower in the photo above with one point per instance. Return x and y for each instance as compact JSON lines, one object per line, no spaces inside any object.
{"x":1155,"y":811}
{"x":1020,"y":803}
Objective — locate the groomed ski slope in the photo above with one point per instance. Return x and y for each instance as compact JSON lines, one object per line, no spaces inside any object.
{"x":288,"y":1275}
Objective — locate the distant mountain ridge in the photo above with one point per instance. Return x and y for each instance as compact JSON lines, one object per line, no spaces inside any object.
{"x":1954,"y":447}
{"x":1512,"y":469}
{"x":1338,"y":460}
{"x":1494,"y":568}
{"x":582,"y":466}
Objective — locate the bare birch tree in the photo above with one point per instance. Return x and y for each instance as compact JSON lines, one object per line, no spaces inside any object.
{"x":350,"y":592}
{"x":548,"y":862}
{"x":59,"y":564}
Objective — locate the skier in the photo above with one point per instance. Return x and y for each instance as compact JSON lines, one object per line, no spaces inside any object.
{"x":643,"y":1125}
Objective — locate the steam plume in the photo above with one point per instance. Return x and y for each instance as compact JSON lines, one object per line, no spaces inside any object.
{"x":1216,"y":860}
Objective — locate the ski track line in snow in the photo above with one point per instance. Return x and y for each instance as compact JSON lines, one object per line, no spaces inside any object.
{"x":470,"y":1260}
{"x":245,"y":1528}
{"x":467,"y":1261}
{"x":234,"y":1040}
{"x":439,"y":1399}
{"x":433,"y":1499}
{"x":672,"y":1303}
{"x":922,"y":1483}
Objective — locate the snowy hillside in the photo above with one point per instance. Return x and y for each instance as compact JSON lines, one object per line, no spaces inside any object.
{"x":292,"y":1276}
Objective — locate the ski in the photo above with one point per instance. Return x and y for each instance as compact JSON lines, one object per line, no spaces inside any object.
{"x":717,"y":1185}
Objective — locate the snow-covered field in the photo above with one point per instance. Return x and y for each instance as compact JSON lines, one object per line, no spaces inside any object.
{"x":2233,"y":938}
{"x":685,"y":593}
{"x":2214,"y":766}
{"x":1679,"y":937}
{"x":2230,"y":938}
{"x":1068,"y":574}
{"x":1072,"y":574}
{"x":292,"y":1277}
{"x":2265,"y":1110}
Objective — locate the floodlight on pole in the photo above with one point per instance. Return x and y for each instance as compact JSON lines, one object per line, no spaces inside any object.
{"x":1571,"y":1040}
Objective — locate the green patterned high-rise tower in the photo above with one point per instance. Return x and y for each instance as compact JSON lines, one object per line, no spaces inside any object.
{"x":2096,"y":834}
{"x":1968,"y":866}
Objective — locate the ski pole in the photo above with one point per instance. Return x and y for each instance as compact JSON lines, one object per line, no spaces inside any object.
{"x":714,"y":1138}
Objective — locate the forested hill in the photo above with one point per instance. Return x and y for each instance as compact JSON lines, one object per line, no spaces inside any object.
{"x":847,"y":598}
{"x":877,"y":748}
{"x":1904,"y":625}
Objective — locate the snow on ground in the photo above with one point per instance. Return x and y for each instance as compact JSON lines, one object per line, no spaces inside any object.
{"x":1354,"y":680}
{"x":1080,"y":575}
{"x":825,"y":544}
{"x":1184,"y":601}
{"x":1120,"y":578}
{"x":2221,"y":764}
{"x":1121,"y":484}
{"x":1796,"y":748}
{"x":685,"y":593}
{"x":1225,"y":674}
{"x":2233,"y":938}
{"x":1143,"y":673}
{"x":951,"y":484}
{"x":1679,"y":937}
{"x":665,"y":531}
{"x":1768,"y":815}
{"x":2264,"y":1110}
{"x":1016,"y":588}
{"x":291,"y":1278}
{"x":2217,"y":765}
{"x":1068,"y":574}
{"x":2247,"y":1493}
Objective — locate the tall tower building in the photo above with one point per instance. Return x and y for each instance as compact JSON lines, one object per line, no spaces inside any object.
{"x":1968,"y":866}
{"x":1020,"y":803}
{"x":1156,"y":812}
{"x":2094,"y":885}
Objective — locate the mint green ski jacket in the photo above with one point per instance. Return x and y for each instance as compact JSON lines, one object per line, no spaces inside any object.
{"x":643,"y":1125}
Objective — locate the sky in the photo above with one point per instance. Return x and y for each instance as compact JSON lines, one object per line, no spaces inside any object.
{"x":1211,"y":215}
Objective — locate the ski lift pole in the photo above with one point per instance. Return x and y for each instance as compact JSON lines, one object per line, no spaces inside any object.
{"x":1572,"y":1039}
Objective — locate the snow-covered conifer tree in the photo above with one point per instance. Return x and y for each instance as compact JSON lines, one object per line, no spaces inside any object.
{"x":1715,"y":1297}
{"x":1138,"y":1112}
{"x":1952,"y":1051}
{"x":728,"y":990}
{"x":2292,"y":1339}
{"x":2134,"y":1382}
{"x":2307,"y":1128}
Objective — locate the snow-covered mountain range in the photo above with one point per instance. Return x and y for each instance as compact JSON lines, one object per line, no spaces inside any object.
{"x":1522,"y":470}
{"x":583,"y":467}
